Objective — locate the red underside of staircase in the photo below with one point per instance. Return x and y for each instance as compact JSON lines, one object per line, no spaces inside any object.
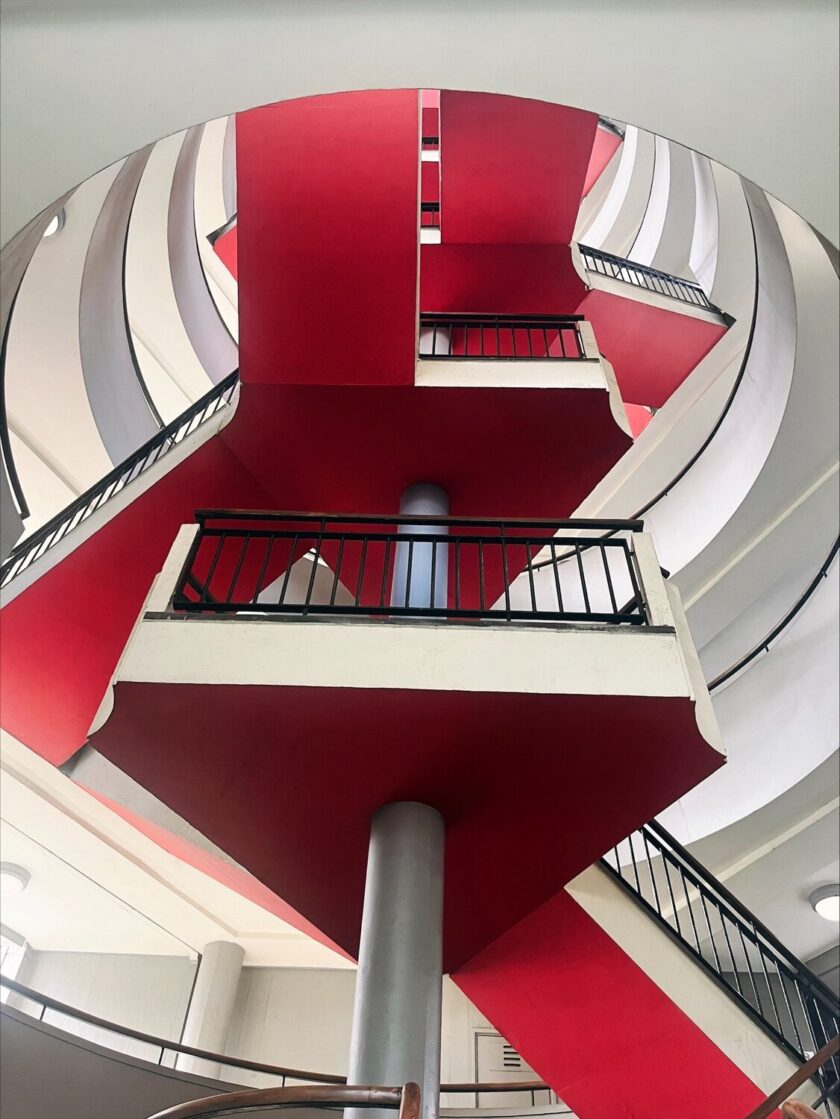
{"x":595,"y":1027}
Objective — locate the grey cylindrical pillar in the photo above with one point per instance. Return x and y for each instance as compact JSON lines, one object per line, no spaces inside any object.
{"x":425,"y":584}
{"x":211,"y":1005}
{"x":396,"y":1015}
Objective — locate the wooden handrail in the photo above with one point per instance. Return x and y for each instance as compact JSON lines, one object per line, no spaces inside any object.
{"x":238,"y":1062}
{"x":802,"y":1074}
{"x":406,"y":1099}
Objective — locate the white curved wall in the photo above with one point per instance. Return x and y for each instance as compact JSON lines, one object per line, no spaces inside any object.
{"x":141,"y":71}
{"x":169,"y":364}
{"x":215,"y":168}
{"x":47,"y":404}
{"x":778,"y":720}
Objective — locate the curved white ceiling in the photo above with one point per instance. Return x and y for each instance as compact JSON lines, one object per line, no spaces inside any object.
{"x":83,"y":85}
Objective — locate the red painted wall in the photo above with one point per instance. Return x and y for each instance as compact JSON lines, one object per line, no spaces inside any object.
{"x":513,"y":169}
{"x":604,"y":148}
{"x":595,"y":1027}
{"x":327,"y":239}
{"x":496,"y":452}
{"x":651,"y":349}
{"x":62,"y":637}
{"x":498,"y":279}
{"x":286,"y":779}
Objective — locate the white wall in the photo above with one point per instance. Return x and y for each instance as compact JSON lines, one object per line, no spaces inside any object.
{"x":296,"y":1017}
{"x":148,"y":993}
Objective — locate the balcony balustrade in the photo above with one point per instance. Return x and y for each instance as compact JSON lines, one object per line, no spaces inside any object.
{"x":457,"y":337}
{"x":390,"y":566}
{"x":643,"y":276}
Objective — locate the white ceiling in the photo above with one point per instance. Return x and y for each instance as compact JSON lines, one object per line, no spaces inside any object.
{"x":86,"y":83}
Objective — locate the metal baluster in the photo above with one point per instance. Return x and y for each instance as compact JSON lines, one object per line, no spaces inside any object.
{"x":702,"y":893}
{"x":690,"y":909}
{"x":238,"y":568}
{"x":338,"y":569}
{"x":457,"y":574}
{"x":362,"y":559}
{"x":790,"y":1010}
{"x":289,"y":564}
{"x":481,"y":602}
{"x":582,"y":580}
{"x":749,"y":966}
{"x":407,"y":600}
{"x":553,"y":548}
{"x":433,"y":571}
{"x":384,"y":585}
{"x":505,"y":575}
{"x":530,"y":575}
{"x":665,"y":858}
{"x":729,"y":948}
{"x":603,"y":550}
{"x":651,"y":872}
{"x":261,"y":576}
{"x":635,"y":867}
{"x":769,"y":985}
{"x":212,"y":571}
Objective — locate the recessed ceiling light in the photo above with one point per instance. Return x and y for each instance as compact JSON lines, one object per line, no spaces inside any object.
{"x":13,"y":879}
{"x":826,"y":902}
{"x":55,"y":224}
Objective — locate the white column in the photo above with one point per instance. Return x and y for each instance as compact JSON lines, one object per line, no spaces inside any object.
{"x":396,"y":1015}
{"x":423,"y":500}
{"x":211,"y":1005}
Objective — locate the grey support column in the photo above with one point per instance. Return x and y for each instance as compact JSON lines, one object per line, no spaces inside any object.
{"x":396,"y":1015}
{"x":211,"y":1005}
{"x":421,"y":569}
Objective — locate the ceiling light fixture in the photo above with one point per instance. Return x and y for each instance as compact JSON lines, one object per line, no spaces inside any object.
{"x":13,"y":879}
{"x":826,"y":902}
{"x":55,"y":224}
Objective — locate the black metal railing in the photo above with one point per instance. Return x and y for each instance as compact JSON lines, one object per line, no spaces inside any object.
{"x":642,"y":276}
{"x":408,"y":566}
{"x":445,"y":337}
{"x":48,"y":535}
{"x":791,"y":1003}
{"x":763,"y":646}
{"x":430,"y":215}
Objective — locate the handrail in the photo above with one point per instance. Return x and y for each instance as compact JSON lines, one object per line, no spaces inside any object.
{"x":48,"y":535}
{"x":613,"y":524}
{"x":764,"y":645}
{"x":650,"y":279}
{"x":406,"y":1100}
{"x":802,"y":1075}
{"x":5,"y":443}
{"x":178,"y":1047}
{"x":776,"y":989}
